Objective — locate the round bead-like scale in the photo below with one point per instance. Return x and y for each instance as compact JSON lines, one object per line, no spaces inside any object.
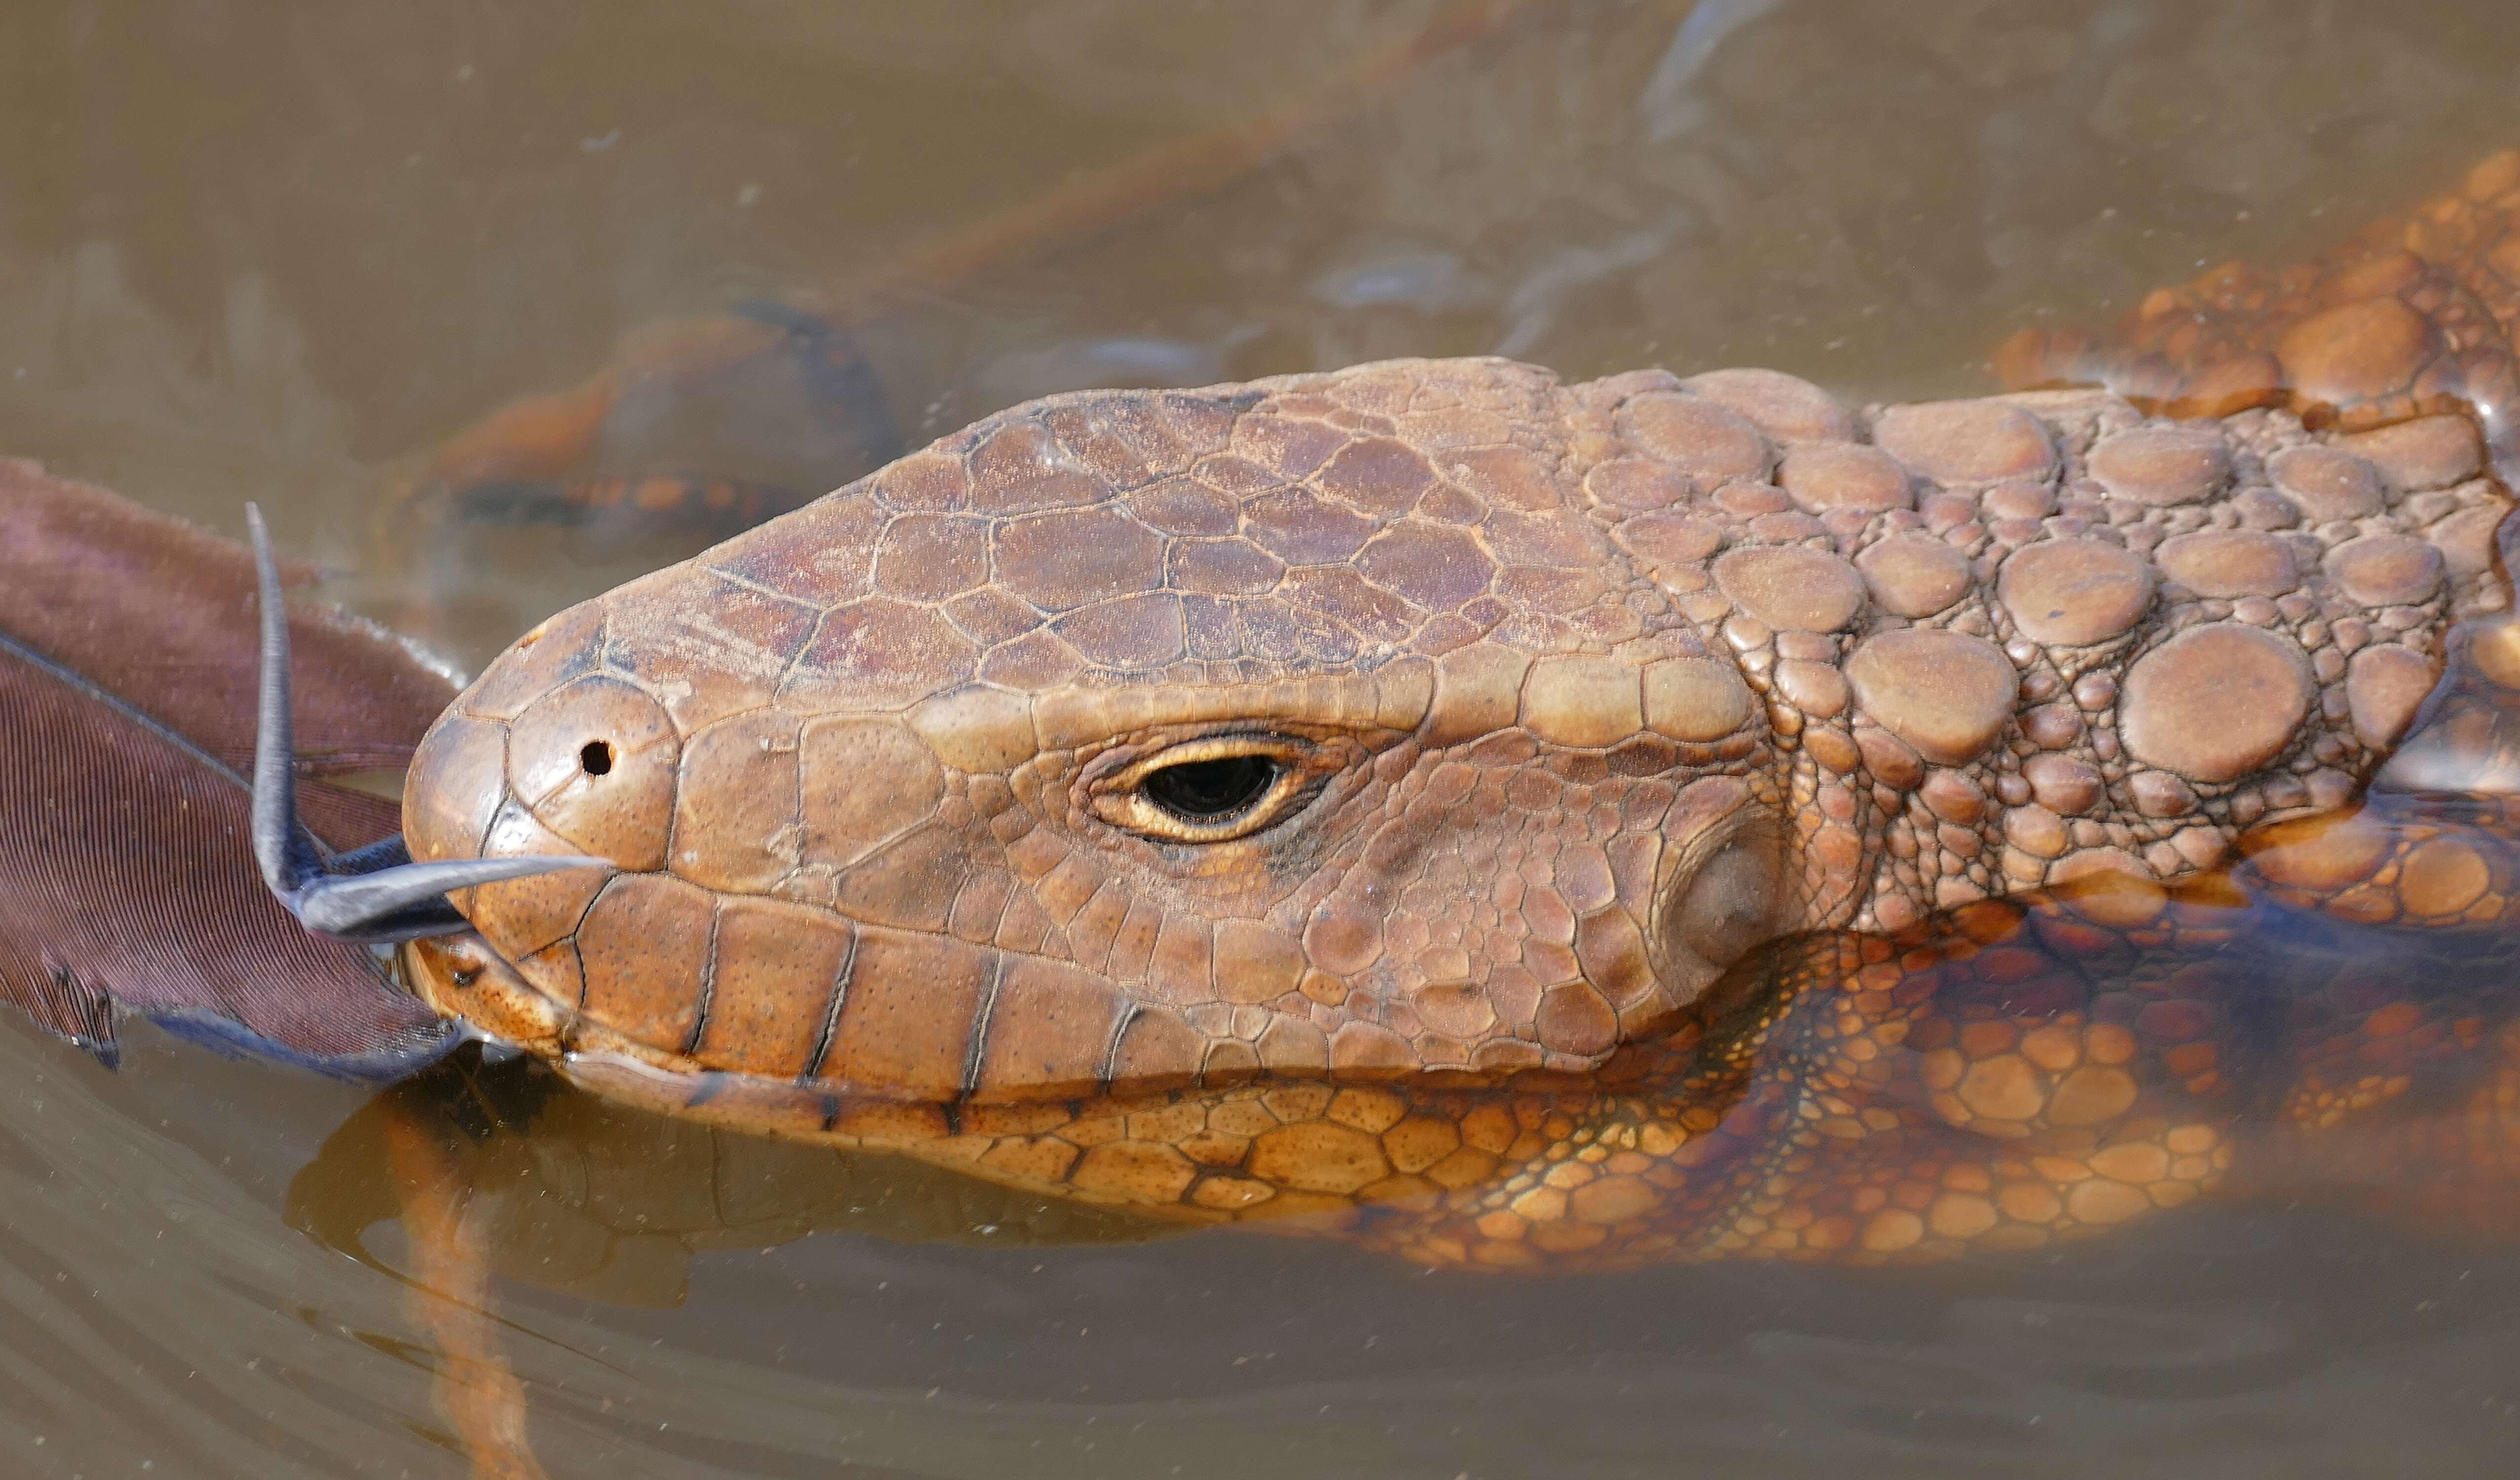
{"x":1945,"y":694}
{"x":2230,"y":563}
{"x":1791,"y":588}
{"x":1787,"y":408}
{"x":2427,"y":452}
{"x":2383,"y":687}
{"x":1914,"y":575}
{"x":2386,"y":570}
{"x":1696,"y":435}
{"x":2354,"y":352}
{"x":1966,"y":441}
{"x":2325,"y":483}
{"x":2070,"y":593}
{"x":1829,"y":475}
{"x":2161,"y":465}
{"x":2216,"y":702}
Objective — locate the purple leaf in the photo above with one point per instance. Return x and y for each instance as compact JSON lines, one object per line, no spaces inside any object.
{"x":127,"y":708}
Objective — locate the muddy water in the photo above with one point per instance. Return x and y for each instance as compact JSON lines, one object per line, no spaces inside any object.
{"x":283,"y":252}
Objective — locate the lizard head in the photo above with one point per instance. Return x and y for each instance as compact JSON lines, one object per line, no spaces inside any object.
{"x":1139,"y":738}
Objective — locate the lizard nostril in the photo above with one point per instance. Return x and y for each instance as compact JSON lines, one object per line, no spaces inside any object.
{"x":596,"y":758}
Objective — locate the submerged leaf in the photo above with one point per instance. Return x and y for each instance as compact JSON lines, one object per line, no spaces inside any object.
{"x":126,"y":880}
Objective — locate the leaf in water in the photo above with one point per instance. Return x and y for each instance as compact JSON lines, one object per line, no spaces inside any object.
{"x":126,"y":683}
{"x":160,"y":614}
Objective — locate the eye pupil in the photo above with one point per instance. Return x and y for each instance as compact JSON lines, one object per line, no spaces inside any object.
{"x":596,"y":758}
{"x":1207,"y":791}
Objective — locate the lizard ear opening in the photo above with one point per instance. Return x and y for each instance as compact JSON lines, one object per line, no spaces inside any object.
{"x":1723,"y":893}
{"x":1732,"y":904}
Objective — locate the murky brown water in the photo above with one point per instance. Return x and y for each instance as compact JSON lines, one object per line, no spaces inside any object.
{"x":281,"y":251}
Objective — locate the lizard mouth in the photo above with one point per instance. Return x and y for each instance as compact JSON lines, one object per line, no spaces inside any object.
{"x":461,"y":977}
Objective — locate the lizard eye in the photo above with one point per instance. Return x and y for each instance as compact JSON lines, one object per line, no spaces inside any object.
{"x":1209,"y":790}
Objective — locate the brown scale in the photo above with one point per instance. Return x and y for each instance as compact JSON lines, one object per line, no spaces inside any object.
{"x":1515,"y":823}
{"x":2413,"y":315}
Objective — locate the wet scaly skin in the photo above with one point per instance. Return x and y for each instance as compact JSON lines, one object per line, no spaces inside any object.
{"x":1696,"y":817}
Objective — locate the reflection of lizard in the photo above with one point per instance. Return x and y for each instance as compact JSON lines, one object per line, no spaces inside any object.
{"x":449,"y":1295}
{"x":790,"y":376}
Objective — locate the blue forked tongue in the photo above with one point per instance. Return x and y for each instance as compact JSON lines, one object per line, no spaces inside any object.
{"x":375,"y":893}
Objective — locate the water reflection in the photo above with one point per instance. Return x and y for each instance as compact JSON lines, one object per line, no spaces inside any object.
{"x":580,"y":1197}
